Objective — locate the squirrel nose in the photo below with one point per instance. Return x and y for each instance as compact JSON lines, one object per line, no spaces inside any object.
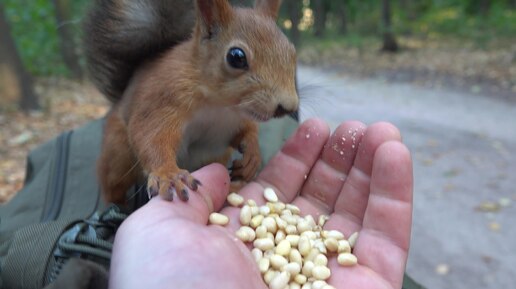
{"x":281,"y":111}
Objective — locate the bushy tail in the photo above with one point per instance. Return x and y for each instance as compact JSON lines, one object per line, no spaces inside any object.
{"x":119,"y":35}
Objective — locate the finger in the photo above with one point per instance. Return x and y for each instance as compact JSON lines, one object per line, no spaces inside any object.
{"x":327,"y":176}
{"x":287,"y":170}
{"x":352,"y":201}
{"x":385,"y":236}
{"x":210,"y":197}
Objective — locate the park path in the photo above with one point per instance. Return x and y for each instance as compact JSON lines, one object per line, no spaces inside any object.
{"x":463,"y":146}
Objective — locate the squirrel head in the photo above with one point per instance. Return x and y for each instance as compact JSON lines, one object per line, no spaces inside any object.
{"x":244,"y":59}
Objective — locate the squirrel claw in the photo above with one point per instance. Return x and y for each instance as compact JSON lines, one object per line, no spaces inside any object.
{"x":184,"y":195}
{"x":151,"y":192}
{"x":245,"y":169}
{"x":195,"y":184}
{"x":166,"y":185}
{"x":152,"y":187}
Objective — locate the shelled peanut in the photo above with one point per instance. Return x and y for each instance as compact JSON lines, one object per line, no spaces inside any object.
{"x":291,"y":251}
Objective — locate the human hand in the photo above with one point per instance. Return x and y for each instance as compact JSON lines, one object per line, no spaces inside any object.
{"x":360,"y":176}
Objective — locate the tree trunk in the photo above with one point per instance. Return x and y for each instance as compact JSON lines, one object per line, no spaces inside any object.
{"x":294,"y":10}
{"x":484,"y":7}
{"x":66,"y":40}
{"x":342,"y":12}
{"x":408,"y":7}
{"x":15,"y":83}
{"x":389,"y":41}
{"x":319,"y":17}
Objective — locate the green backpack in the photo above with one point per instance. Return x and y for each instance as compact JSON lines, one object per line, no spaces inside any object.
{"x":59,"y":215}
{"x":60,"y":193}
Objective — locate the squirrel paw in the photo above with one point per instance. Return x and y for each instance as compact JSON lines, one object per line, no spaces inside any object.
{"x":236,"y":186}
{"x":246,"y":168}
{"x":165,"y":184}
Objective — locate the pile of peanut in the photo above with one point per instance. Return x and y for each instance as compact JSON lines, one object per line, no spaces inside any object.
{"x":291,"y":251}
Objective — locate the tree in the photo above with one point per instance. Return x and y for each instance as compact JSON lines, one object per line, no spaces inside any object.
{"x":15,"y":83}
{"x":484,"y":7}
{"x":320,"y":14}
{"x":408,"y":7}
{"x":294,"y":11}
{"x":343,"y":19}
{"x":66,"y":39}
{"x":477,"y":7}
{"x":389,"y":41}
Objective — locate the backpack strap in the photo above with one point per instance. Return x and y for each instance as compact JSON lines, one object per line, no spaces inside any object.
{"x":29,"y":251}
{"x":409,"y":283}
{"x":38,"y":253}
{"x":81,"y":274}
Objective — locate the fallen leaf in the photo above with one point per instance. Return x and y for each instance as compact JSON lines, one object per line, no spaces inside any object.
{"x":487,"y":259}
{"x":500,"y":148}
{"x":476,"y":89}
{"x":488,"y":206}
{"x":452,"y":173}
{"x":442,"y":269}
{"x":504,"y":202}
{"x":21,"y":138}
{"x":494,"y":226}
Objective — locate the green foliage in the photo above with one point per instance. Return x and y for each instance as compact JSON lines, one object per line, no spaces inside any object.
{"x":364,"y":16}
{"x":457,"y":20}
{"x":462,"y":19}
{"x":34,"y":28}
{"x":332,"y":39}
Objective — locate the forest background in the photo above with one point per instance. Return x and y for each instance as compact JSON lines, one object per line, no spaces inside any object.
{"x":463,"y":44}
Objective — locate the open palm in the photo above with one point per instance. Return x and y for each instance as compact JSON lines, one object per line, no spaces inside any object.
{"x":360,"y":176}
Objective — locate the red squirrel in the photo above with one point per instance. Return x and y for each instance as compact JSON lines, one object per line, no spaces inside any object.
{"x":189,"y":81}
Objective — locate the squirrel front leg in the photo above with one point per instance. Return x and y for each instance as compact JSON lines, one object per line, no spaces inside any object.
{"x":156,"y":141}
{"x":246,"y":142}
{"x":117,"y":166}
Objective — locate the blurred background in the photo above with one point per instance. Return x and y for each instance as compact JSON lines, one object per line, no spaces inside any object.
{"x":443,"y":71}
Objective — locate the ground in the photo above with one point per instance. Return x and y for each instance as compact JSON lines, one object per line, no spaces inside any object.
{"x":66,"y":105}
{"x":452,"y":63}
{"x":457,"y":116}
{"x":462,"y":146}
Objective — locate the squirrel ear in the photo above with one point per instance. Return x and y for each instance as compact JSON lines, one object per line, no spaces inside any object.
{"x":268,"y":7}
{"x":213,"y":14}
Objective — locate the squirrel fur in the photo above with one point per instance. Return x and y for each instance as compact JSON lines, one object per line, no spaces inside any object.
{"x":189,"y":82}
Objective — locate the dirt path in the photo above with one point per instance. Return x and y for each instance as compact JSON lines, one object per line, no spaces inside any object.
{"x":464,"y":164}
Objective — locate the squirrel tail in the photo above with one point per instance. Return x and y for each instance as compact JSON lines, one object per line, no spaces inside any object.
{"x":119,"y":35}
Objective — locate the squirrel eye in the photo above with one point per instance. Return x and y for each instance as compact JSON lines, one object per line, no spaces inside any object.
{"x":236,"y":58}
